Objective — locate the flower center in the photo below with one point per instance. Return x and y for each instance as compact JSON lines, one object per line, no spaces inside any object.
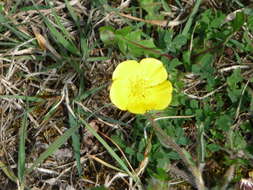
{"x":138,"y":88}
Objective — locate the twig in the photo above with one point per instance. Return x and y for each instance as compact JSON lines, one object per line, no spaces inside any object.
{"x":205,"y":96}
{"x":228,"y":177}
{"x":233,"y":68}
{"x":178,"y":172}
{"x":163,"y":23}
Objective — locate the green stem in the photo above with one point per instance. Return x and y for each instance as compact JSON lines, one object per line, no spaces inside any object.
{"x":169,"y":143}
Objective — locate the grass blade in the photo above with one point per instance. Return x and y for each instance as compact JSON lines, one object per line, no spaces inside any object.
{"x":8,"y":172}
{"x":14,"y":8}
{"x":193,"y":13}
{"x":76,"y":143}
{"x":105,"y":163}
{"x":26,"y":98}
{"x":72,"y":13}
{"x":66,"y":34}
{"x":21,"y":151}
{"x":53,"y":147}
{"x":51,"y":111}
{"x":84,"y":47}
{"x":201,"y":144}
{"x":22,"y":36}
{"x":61,"y":39}
{"x":109,"y":149}
{"x":57,"y":35}
{"x":90,"y":92}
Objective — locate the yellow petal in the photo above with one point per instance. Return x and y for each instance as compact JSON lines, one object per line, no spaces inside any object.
{"x":137,"y":105}
{"x":159,"y":97}
{"x":153,"y":71}
{"x":119,"y":93}
{"x":125,"y":69}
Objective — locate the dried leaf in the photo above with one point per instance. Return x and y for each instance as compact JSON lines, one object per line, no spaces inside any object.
{"x":41,"y":41}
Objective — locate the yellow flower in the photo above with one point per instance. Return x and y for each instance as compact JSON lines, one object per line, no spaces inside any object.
{"x":140,"y":87}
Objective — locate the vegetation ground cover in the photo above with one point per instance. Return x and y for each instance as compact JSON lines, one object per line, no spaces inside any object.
{"x":58,"y":128}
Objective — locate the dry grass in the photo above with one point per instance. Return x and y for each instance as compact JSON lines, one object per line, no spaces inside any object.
{"x":22,"y":73}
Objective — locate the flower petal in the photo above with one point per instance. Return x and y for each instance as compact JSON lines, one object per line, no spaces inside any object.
{"x":119,"y":93}
{"x":137,"y":105}
{"x":125,"y":69}
{"x":159,"y":97}
{"x":153,"y":71}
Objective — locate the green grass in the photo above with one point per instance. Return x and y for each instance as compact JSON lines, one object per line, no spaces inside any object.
{"x":58,"y":98}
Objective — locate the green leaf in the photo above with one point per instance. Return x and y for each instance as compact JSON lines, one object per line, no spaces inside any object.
{"x":72,"y":13}
{"x":14,"y":6}
{"x":179,"y":41}
{"x":5,"y":22}
{"x":132,"y":44}
{"x":107,"y":35}
{"x":142,"y":145}
{"x":248,"y":41}
{"x":130,"y":151}
{"x":92,"y":59}
{"x":76,"y":143}
{"x":148,"y":46}
{"x":213,"y":147}
{"x":166,"y":6}
{"x":26,"y":98}
{"x":224,"y":122}
{"x":238,"y":141}
{"x":173,"y":64}
{"x":152,"y":8}
{"x":168,"y":36}
{"x":194,"y":104}
{"x":238,"y":22}
{"x":139,"y":156}
{"x":187,"y":59}
{"x":122,"y":44}
{"x":234,"y":94}
{"x":218,"y":20}
{"x":134,"y":36}
{"x":85,"y":48}
{"x":99,"y":188}
{"x":29,"y":8}
{"x":234,"y":79}
{"x":148,"y":5}
{"x":161,"y":174}
{"x":61,"y":39}
{"x":124,"y":31}
{"x":118,"y":141}
{"x":1,"y":7}
{"x":204,"y":67}
{"x":90,"y":92}
{"x":190,"y":19}
{"x":21,"y":151}
{"x":172,"y":155}
{"x":60,"y":25}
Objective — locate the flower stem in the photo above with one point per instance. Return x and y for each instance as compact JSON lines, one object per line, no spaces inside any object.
{"x":168,"y":142}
